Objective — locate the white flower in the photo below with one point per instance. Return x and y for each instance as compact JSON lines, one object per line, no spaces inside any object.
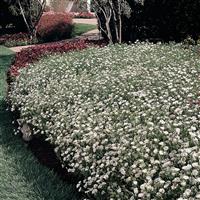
{"x":122,"y":171}
{"x":125,"y":117}
{"x":178,"y":130}
{"x":187,"y":167}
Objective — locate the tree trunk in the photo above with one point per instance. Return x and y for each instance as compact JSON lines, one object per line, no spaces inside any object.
{"x":109,"y":31}
{"x":115,"y":21}
{"x":120,"y":29}
{"x":60,"y":6}
{"x":120,"y":21}
{"x":70,"y":5}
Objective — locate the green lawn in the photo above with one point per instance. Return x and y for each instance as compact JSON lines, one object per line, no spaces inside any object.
{"x":21,"y":176}
{"x":79,"y":29}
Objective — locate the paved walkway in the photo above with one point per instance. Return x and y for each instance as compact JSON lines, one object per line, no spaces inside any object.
{"x":19,"y":48}
{"x":91,"y":35}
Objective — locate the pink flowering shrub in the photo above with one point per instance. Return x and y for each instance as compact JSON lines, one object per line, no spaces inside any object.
{"x":85,"y":15}
{"x":54,"y":26}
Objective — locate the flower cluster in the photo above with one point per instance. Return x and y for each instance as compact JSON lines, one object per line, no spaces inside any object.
{"x":17,"y":39}
{"x":85,"y":15}
{"x":32,"y":54}
{"x":54,"y":26}
{"x":125,"y":117}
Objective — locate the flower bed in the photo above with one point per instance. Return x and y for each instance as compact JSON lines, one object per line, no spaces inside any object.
{"x":17,"y":39}
{"x":84,"y":15}
{"x":125,"y":117}
{"x":32,"y":54}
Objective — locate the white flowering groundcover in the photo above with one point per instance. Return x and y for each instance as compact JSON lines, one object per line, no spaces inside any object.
{"x":125,"y":117}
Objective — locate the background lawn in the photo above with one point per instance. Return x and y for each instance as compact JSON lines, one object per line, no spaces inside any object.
{"x":21,"y":175}
{"x":79,"y":29}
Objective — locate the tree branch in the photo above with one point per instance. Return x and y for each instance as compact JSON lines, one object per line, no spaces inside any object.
{"x":24,"y":17}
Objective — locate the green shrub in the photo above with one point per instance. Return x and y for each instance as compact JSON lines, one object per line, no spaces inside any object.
{"x":125,"y":117}
{"x":155,"y":20}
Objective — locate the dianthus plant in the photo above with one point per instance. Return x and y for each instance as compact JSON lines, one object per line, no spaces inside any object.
{"x":125,"y":117}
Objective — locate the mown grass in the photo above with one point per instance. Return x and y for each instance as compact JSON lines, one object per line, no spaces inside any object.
{"x":79,"y":29}
{"x":21,"y":175}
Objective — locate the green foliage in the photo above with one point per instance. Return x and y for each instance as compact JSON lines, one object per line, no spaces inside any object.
{"x":110,"y":14}
{"x":167,"y":20}
{"x":155,"y":20}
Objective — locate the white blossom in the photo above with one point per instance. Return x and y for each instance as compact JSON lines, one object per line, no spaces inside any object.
{"x":124,"y":116}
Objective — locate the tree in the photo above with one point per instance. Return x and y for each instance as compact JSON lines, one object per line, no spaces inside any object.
{"x":62,"y":5}
{"x":58,"y":5}
{"x":153,"y":20}
{"x":109,"y":14}
{"x":30,"y":10}
{"x":8,"y":18}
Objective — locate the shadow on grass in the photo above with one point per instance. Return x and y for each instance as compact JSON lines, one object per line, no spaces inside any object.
{"x":30,"y":179}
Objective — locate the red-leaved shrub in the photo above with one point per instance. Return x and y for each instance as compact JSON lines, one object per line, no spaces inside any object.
{"x":84,"y":15}
{"x":14,"y":37}
{"x":54,"y":26}
{"x":32,"y":54}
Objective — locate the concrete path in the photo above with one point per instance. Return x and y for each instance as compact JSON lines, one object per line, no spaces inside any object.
{"x":19,"y":48}
{"x":85,"y":21}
